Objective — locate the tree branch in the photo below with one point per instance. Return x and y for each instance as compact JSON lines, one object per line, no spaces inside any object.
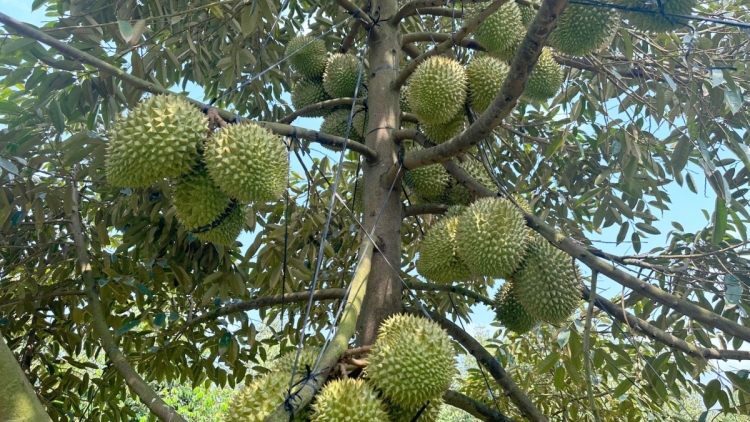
{"x":516,"y":395}
{"x":347,"y":43}
{"x":418,"y":6}
{"x":451,"y":289}
{"x":477,"y":409}
{"x":587,"y":350}
{"x":144,"y":392}
{"x":356,"y":12}
{"x":444,"y":46}
{"x":277,"y":128}
{"x":419,"y":209}
{"x":438,"y":37}
{"x":18,"y":400}
{"x":320,"y":106}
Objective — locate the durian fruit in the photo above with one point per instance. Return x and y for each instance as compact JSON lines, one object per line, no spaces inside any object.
{"x":158,"y":139}
{"x":340,"y":78}
{"x":502,"y":32}
{"x":257,"y":400}
{"x":308,"y":356}
{"x":348,"y":400}
{"x":486,"y":75}
{"x":510,"y":312}
{"x":528,"y":14}
{"x":427,"y":182}
{"x":655,"y":22}
{"x":437,"y":90}
{"x":359,"y":122}
{"x":440,"y":133}
{"x":491,"y":237}
{"x":310,"y":61}
{"x":227,"y":231}
{"x":412,"y":361}
{"x":546,"y":78}
{"x":546,"y":284}
{"x":336,"y":123}
{"x":198,"y":201}
{"x":438,"y":254}
{"x":458,"y":194}
{"x":306,"y":92}
{"x":431,"y":413}
{"x":247,"y":162}
{"x":582,"y":29}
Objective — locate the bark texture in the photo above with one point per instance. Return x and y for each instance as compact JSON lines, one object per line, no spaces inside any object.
{"x":18,"y":400}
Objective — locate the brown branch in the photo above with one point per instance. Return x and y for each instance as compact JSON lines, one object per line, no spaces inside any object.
{"x":477,"y":409}
{"x":418,"y":6}
{"x":451,"y":289}
{"x":411,"y":50}
{"x":347,"y":43}
{"x":356,"y":12}
{"x":535,"y":139}
{"x":362,"y":350}
{"x":419,"y":209}
{"x":438,"y":37}
{"x":42,"y":297}
{"x":485,"y":358}
{"x":289,"y":118}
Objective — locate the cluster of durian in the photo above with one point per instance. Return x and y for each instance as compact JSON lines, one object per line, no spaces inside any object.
{"x":489,"y":239}
{"x":165,"y":137}
{"x":323,"y":77}
{"x":411,"y":365}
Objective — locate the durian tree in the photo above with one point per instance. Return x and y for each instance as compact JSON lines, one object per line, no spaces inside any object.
{"x":468,"y":156}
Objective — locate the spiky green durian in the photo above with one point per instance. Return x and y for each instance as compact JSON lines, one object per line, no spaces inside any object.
{"x":437,"y":90}
{"x":440,"y":133}
{"x":486,"y":75}
{"x":427,"y":182}
{"x":247,"y":162}
{"x":340,"y":78}
{"x":582,"y":29}
{"x":431,"y":413}
{"x":228,"y":229}
{"x":528,"y":14}
{"x":348,"y":400}
{"x":510,"y":312}
{"x":336,"y":123}
{"x":158,"y":139}
{"x":306,"y":92}
{"x":412,"y":361}
{"x":308,"y":356}
{"x":404,"y":99}
{"x":546,"y":78}
{"x":257,"y":400}
{"x":359,"y":122}
{"x":491,"y":237}
{"x":310,"y":60}
{"x":502,"y":32}
{"x":198,"y":201}
{"x":438,"y":254}
{"x":655,"y":22}
{"x":546,"y":284}
{"x":458,"y":194}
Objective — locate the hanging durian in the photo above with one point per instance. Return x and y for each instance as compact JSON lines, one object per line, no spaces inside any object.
{"x":342,"y":72}
{"x":486,"y":75}
{"x":510,"y":312}
{"x":438,"y":253}
{"x":310,"y":61}
{"x":582,"y":29}
{"x":348,"y":400}
{"x":198,"y":201}
{"x":230,"y":226}
{"x":306,"y":92}
{"x":502,"y":32}
{"x":440,"y":133}
{"x":427,"y":182}
{"x":655,"y":22}
{"x":546,"y":78}
{"x":437,"y":90}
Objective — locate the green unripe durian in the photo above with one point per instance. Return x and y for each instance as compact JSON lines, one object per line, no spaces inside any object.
{"x":247,"y":162}
{"x":306,"y":92}
{"x":437,"y":90}
{"x":502,"y":32}
{"x":528,"y":14}
{"x":486,"y":75}
{"x":546,"y":283}
{"x":348,"y":400}
{"x":654,"y":22}
{"x":491,"y":237}
{"x":158,"y":139}
{"x":310,"y":60}
{"x":308,"y":356}
{"x":427,"y":182}
{"x":438,"y":254}
{"x":440,"y":133}
{"x":458,"y":194}
{"x":510,"y":312}
{"x":340,"y":78}
{"x":227,"y":231}
{"x":582,"y":29}
{"x":412,"y":361}
{"x":198,"y":201}
{"x":337,"y":121}
{"x":257,"y":400}
{"x":546,"y":78}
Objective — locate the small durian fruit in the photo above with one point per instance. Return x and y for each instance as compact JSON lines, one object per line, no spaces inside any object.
{"x":348,"y":400}
{"x":437,"y":90}
{"x":502,"y":32}
{"x":438,"y":254}
{"x":340,"y":78}
{"x":655,"y":22}
{"x":359,"y":122}
{"x":412,"y":361}
{"x":306,"y":92}
{"x":257,"y":400}
{"x":510,"y":312}
{"x":486,"y":75}
{"x":227,"y":231}
{"x":546,"y":78}
{"x":247,"y":162}
{"x":528,"y":14}
{"x":427,"y":182}
{"x":310,"y":60}
{"x":431,"y":412}
{"x":491,"y":237}
{"x":582,"y":29}
{"x":336,"y":123}
{"x":546,"y":284}
{"x":198,"y":201}
{"x":440,"y":133}
{"x":308,"y":356}
{"x":458,"y":194}
{"x":158,"y":139}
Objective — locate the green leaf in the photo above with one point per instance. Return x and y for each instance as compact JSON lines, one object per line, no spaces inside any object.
{"x":717,"y":77}
{"x":622,"y":388}
{"x":548,"y":362}
{"x":57,"y":116}
{"x":733,"y":292}
{"x":586,"y":196}
{"x":37,"y":4}
{"x":224,"y":342}
{"x":127,"y":327}
{"x":126,"y":30}
{"x":159,"y":319}
{"x":691,"y":183}
{"x":681,"y":154}
{"x":647,"y":228}
{"x":143,"y":289}
{"x":711,"y":393}
{"x":623,"y":232}
{"x":720,"y":221}
{"x":563,"y":336}
{"x":733,"y":100}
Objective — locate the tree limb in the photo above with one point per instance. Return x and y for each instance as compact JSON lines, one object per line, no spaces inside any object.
{"x":320,"y":106}
{"x":438,"y":37}
{"x":347,"y":43}
{"x":516,"y":395}
{"x":18,"y":400}
{"x":417,"y":7}
{"x":356,"y":12}
{"x":451,"y":289}
{"x":474,"y":408}
{"x":419,"y":209}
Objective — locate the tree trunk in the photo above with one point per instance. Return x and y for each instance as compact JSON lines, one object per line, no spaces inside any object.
{"x":384,"y":287}
{"x":18,"y":400}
